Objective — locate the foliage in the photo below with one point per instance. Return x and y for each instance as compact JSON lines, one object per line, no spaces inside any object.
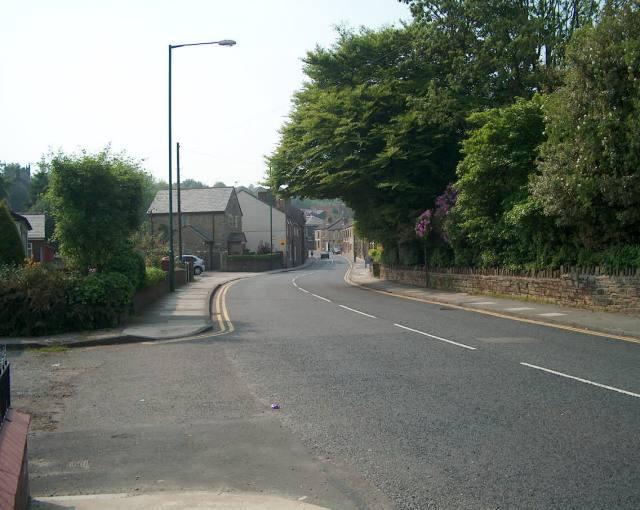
{"x":97,"y":201}
{"x":192,"y":183}
{"x":589,"y":177}
{"x":154,"y":247}
{"x":129,"y":263}
{"x":16,"y":183}
{"x":100,"y":300}
{"x":153,"y":276}
{"x":38,"y":299}
{"x":376,"y":254}
{"x":11,"y":249}
{"x":491,"y":222}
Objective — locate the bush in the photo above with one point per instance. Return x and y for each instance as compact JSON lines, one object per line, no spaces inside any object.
{"x":100,"y":300}
{"x":38,"y":300}
{"x":375,"y":254}
{"x":130,"y":264}
{"x":153,"y":276}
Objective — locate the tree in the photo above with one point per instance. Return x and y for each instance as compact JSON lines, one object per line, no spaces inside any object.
{"x":219,"y":184}
{"x":589,"y":177}
{"x":11,"y":249}
{"x":490,"y":224}
{"x":97,"y":202}
{"x":191,"y":183}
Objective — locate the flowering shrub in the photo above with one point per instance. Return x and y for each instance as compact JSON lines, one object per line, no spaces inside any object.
{"x":423,"y":225}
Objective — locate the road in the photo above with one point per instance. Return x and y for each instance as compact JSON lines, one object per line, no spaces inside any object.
{"x":385,"y":403}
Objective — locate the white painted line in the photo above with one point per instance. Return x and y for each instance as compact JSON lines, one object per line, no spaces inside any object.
{"x":482,"y":303}
{"x":612,"y":388}
{"x":518,"y":309}
{"x":320,"y":297}
{"x":436,"y":337}
{"x":304,"y":290}
{"x":551,"y":314}
{"x":357,"y":311}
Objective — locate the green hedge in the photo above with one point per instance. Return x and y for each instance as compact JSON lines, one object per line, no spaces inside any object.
{"x":130,"y":264}
{"x":39,"y":300}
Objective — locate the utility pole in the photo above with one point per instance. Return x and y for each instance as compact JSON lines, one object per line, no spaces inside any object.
{"x":179,"y":210}
{"x":271,"y":231}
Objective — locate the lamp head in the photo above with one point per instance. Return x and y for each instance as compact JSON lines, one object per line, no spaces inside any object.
{"x":227,"y":42}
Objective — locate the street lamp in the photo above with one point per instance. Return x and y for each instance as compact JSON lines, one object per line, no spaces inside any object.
{"x":223,"y":42}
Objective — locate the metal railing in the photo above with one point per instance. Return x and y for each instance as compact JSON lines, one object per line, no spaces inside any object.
{"x":5,"y":384}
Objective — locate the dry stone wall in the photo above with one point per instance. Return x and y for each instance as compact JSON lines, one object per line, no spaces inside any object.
{"x":585,"y":288}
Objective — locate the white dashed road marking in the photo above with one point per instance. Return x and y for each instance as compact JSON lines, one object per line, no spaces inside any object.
{"x":357,"y":311}
{"x":436,"y":337}
{"x":586,"y":381}
{"x":518,"y":309}
{"x":320,"y":297}
{"x":551,"y":314}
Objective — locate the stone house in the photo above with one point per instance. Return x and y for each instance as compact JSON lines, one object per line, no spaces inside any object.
{"x":211,"y":223}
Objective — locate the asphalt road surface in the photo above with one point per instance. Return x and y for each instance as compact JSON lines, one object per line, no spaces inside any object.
{"x":451,"y":420}
{"x":385,"y":403}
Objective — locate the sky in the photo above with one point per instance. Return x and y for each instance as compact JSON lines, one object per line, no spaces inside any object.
{"x":84,"y":74}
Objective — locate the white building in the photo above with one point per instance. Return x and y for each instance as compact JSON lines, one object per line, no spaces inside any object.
{"x":256,"y":223}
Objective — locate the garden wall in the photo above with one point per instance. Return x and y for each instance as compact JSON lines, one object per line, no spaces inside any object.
{"x":253,"y":263}
{"x":580,"y":287}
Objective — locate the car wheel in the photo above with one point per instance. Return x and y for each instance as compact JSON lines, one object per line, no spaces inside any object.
{"x":197,"y":270}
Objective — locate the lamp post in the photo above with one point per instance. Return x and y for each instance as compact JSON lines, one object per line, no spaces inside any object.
{"x":224,"y":42}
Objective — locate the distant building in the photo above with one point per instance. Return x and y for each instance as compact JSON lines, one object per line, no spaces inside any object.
{"x":211,"y":222}
{"x":37,"y":247}
{"x":281,"y":222}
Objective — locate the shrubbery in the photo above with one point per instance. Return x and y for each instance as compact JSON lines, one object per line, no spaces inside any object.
{"x":36,"y":300}
{"x":153,"y":276}
{"x":130,"y":264}
{"x":11,"y":251}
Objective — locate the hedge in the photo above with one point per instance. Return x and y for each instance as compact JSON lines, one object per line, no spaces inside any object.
{"x":38,"y":300}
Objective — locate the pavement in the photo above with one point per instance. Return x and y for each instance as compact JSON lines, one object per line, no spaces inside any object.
{"x":183,"y":313}
{"x":200,"y":500}
{"x":615,"y":325}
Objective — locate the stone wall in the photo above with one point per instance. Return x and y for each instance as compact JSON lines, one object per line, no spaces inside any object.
{"x":253,"y":264}
{"x":580,"y":288}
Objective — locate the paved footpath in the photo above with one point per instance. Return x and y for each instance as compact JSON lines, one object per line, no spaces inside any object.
{"x":183,"y":313}
{"x":609,"y":324}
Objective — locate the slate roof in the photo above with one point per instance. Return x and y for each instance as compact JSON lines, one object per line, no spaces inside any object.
{"x":339,"y":224}
{"x":21,"y":218}
{"x":37,"y":226}
{"x":192,"y":200}
{"x":314,"y":221}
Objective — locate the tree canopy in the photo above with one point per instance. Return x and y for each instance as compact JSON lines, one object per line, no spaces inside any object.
{"x":97,"y":202}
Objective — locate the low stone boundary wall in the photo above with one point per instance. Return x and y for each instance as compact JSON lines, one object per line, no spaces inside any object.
{"x":581,"y":288}
{"x":14,"y":472}
{"x":252,"y":263}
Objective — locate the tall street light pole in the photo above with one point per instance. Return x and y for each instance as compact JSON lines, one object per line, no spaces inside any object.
{"x":172,"y":282}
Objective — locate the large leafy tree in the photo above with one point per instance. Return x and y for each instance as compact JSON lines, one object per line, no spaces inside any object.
{"x":589,"y":177}
{"x":97,"y":202}
{"x":494,"y":221}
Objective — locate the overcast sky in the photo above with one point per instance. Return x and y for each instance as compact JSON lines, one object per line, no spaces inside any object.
{"x":85,"y":73}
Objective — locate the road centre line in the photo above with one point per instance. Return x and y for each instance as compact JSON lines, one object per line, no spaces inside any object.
{"x":586,"y":381}
{"x":304,"y":290}
{"x":320,"y":297}
{"x":357,"y":311}
{"x":436,"y":337}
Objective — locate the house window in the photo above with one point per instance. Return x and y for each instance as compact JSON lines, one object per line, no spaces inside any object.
{"x":29,"y":250}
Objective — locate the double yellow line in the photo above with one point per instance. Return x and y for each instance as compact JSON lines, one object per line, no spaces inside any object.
{"x":224,"y":322}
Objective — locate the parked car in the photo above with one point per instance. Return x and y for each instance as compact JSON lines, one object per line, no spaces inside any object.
{"x":198,"y":263}
{"x":324,"y":254}
{"x":337,"y":250}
